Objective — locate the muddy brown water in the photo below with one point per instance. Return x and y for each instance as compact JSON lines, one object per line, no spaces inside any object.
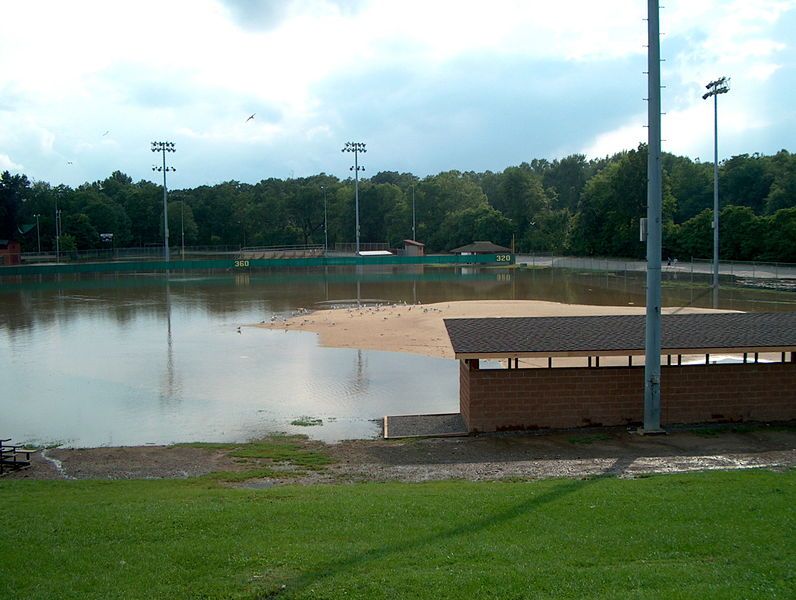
{"x":154,"y":359}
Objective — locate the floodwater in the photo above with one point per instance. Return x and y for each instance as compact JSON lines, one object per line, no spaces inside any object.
{"x":154,"y":359}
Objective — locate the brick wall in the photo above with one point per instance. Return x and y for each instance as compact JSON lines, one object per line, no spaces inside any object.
{"x":503,"y":399}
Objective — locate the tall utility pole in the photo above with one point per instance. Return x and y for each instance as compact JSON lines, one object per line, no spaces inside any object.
{"x":414,"y":234}
{"x":325,"y":223}
{"x":356,"y":148}
{"x":652,"y":347}
{"x":164,"y":147}
{"x":182,"y":229}
{"x":38,"y":235}
{"x":57,"y":232}
{"x":719,"y":86}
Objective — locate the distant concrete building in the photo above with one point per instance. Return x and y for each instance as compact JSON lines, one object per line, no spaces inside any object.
{"x":480,"y":247}
{"x":413,"y":248}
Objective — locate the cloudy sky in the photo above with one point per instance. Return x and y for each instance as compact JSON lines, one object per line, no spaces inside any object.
{"x":429,"y":85}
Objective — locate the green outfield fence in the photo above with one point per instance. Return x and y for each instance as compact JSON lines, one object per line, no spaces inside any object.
{"x":247,"y":264}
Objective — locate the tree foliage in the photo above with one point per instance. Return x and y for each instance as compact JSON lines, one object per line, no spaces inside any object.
{"x":567,"y":205}
{"x":14,"y":190}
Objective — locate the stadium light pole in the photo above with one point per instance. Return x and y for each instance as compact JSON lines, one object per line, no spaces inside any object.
{"x":414,"y":234}
{"x":38,"y":235}
{"x":325,"y":223}
{"x":182,"y":229}
{"x":164,"y":147}
{"x":652,"y":346}
{"x":57,"y":232}
{"x":356,"y":148}
{"x":719,"y":86}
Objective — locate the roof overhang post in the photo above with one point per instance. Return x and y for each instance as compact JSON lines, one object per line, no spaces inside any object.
{"x":652,"y":349}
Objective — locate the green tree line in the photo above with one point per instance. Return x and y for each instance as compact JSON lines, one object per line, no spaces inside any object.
{"x":569,"y":205}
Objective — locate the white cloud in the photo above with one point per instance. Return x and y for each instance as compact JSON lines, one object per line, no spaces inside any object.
{"x":6,"y":164}
{"x":719,"y":38}
{"x":195,"y":69}
{"x":625,"y":137}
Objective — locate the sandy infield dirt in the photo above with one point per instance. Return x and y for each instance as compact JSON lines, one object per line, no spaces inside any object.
{"x":420,"y":329}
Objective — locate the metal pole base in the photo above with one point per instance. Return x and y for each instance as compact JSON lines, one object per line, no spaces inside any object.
{"x":642,"y":431}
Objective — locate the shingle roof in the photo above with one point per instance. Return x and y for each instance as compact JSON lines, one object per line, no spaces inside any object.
{"x":481,"y":247}
{"x":620,"y":335}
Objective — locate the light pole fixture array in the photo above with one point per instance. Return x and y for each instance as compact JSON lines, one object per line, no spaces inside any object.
{"x":164,"y":147}
{"x":719,"y":86}
{"x":356,"y":148}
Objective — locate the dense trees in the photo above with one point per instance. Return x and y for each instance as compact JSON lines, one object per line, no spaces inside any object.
{"x":14,"y":190}
{"x":572,"y":205}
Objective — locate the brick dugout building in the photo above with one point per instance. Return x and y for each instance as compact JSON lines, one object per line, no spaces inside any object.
{"x":497,"y":399}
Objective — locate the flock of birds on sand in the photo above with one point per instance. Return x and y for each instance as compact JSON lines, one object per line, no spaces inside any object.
{"x":287,"y":320}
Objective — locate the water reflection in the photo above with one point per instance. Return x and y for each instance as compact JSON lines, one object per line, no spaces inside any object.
{"x":359,"y":380}
{"x":170,"y":388}
{"x":164,"y":358}
{"x":27,"y":304}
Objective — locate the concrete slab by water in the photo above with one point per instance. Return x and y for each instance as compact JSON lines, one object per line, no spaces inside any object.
{"x":440,"y":425}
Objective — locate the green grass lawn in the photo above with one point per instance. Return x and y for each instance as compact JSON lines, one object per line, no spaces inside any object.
{"x":707,"y":535}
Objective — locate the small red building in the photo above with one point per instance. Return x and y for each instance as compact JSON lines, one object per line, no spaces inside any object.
{"x":413,"y":248}
{"x":10,"y":252}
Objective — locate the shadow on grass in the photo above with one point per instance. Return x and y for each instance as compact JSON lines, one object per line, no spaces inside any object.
{"x":564,"y":488}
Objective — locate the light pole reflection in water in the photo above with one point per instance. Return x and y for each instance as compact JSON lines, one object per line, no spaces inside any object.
{"x":359,"y":380}
{"x":170,"y":388}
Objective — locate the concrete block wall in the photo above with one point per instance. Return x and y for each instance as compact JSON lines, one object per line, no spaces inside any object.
{"x":507,"y":399}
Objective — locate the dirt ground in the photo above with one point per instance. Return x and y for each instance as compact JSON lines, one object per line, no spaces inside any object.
{"x":581,"y":453}
{"x":420,"y":329}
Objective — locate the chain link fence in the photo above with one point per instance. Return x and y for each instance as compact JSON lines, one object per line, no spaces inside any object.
{"x":737,"y":269}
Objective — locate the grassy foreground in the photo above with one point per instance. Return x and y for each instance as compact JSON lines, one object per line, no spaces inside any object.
{"x":709,"y":535}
